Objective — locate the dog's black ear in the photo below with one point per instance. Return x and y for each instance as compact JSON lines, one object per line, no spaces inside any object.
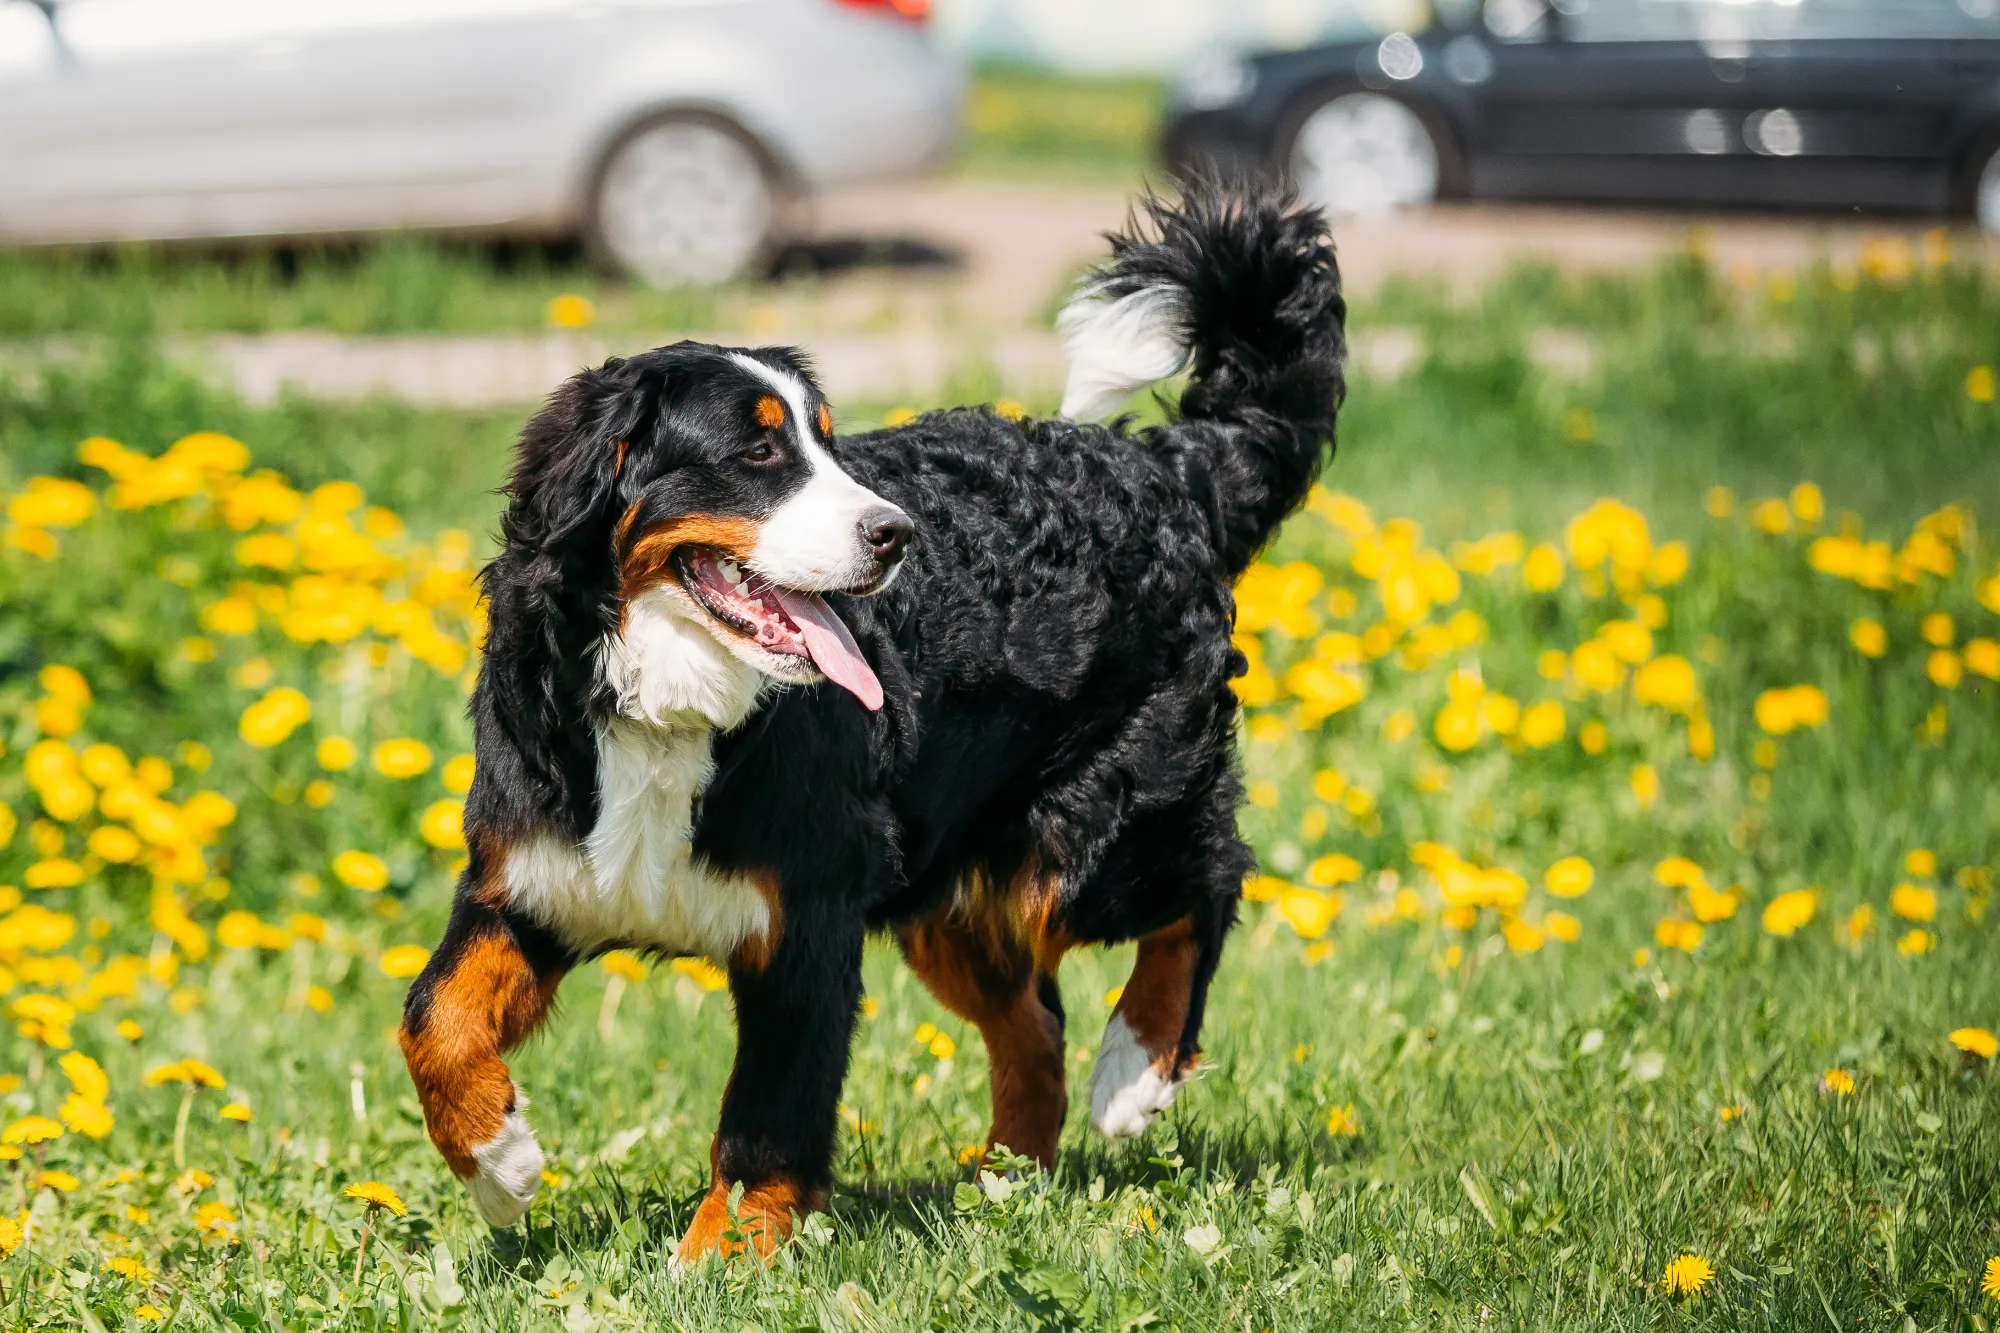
{"x":551,"y":594}
{"x":569,"y":460}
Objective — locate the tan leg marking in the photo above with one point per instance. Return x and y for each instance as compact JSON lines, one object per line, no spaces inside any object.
{"x":489,"y":1002}
{"x":983,"y":957}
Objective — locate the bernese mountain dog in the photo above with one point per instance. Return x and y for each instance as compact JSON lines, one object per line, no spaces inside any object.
{"x":752,"y":691}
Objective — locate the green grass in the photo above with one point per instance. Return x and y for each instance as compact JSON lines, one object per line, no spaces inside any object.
{"x":1540,"y":1131}
{"x":1029,"y":124}
{"x":1022,"y":126}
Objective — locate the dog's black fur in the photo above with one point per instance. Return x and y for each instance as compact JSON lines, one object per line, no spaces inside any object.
{"x":1055,"y":656}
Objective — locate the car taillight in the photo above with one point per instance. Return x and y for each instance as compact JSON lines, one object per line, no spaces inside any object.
{"x":916,"y":11}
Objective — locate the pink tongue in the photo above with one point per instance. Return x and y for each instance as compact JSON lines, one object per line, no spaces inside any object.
{"x":833,"y":649}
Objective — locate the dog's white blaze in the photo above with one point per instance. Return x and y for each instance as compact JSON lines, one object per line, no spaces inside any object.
{"x":510,"y":1169}
{"x":1118,"y":347}
{"x":813,"y":541}
{"x":635,"y":878}
{"x":1126,"y":1091}
{"x":666,"y":664}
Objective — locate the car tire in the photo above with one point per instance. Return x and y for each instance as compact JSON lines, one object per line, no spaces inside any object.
{"x":1367,"y":154}
{"x":683,"y":198}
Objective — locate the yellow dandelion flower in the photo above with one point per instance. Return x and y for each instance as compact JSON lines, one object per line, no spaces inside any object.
{"x":1687,"y":1275}
{"x":375,"y":1194}
{"x":570,"y":311}
{"x":1983,"y":656}
{"x":1976,"y":1041}
{"x":192,"y":1072}
{"x":274,"y":717}
{"x":1921,"y":862}
{"x":336,"y":754}
{"x":215,"y":1219}
{"x":1868,"y":637}
{"x":1786,"y":913}
{"x":130,"y":1269}
{"x":623,"y":963}
{"x":1990,"y":1285}
{"x":1562,"y":926}
{"x":1594,"y":737}
{"x":1542,"y":571}
{"x":86,"y":1116}
{"x":404,"y":960}
{"x":702,"y":973}
{"x":442,"y":826}
{"x":238,"y":1112}
{"x":942,"y":1046}
{"x":1913,"y":903}
{"x":1342,"y":1122}
{"x":1570,"y":877}
{"x":457,"y":774}
{"x":1838,"y":1082}
{"x":149,"y":1314}
{"x":1915,"y":942}
{"x":1542,"y":724}
{"x":10,"y":1236}
{"x":30,"y":1130}
{"x":401,"y":758}
{"x":361,"y":870}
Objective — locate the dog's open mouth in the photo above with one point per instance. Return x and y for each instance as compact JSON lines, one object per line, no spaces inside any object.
{"x":783,"y":621}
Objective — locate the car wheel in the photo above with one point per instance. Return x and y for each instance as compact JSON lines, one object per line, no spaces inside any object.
{"x":1366,"y":154}
{"x":1986,"y":194}
{"x":682,"y":199}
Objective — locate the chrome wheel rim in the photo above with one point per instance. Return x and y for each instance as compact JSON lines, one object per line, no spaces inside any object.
{"x":683,"y":201}
{"x":1989,"y":195}
{"x":1364,"y":154}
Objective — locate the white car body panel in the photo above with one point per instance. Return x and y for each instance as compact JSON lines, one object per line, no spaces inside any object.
{"x":169,"y":119}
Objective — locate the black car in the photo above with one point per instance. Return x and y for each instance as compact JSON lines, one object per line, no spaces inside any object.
{"x":1889,"y":105}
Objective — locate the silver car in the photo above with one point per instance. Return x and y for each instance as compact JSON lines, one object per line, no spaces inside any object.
{"x":677,"y":137}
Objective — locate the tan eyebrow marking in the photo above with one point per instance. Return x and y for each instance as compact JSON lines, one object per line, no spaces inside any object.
{"x":770,"y":411}
{"x":825,"y":420}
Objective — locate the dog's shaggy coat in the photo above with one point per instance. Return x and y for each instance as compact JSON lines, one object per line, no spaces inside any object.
{"x":1030,"y":746}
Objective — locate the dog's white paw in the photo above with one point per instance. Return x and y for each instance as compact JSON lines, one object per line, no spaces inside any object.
{"x":1126,"y":1091}
{"x":510,"y":1170}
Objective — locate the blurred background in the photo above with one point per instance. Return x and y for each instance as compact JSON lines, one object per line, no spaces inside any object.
{"x":908,"y":185}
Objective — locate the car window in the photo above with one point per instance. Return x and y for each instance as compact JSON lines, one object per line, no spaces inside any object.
{"x":1725,"y":21}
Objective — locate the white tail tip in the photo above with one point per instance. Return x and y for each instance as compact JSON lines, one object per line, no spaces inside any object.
{"x":1118,"y":347}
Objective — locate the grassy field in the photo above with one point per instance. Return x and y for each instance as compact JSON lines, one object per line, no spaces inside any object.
{"x":1020,"y":125}
{"x":1623,"y":889}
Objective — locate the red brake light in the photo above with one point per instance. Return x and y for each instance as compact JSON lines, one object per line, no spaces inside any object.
{"x":916,"y":11}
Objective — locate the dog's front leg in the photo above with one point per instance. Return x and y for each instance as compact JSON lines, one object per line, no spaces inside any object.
{"x":795,"y":1012}
{"x":487,"y":987}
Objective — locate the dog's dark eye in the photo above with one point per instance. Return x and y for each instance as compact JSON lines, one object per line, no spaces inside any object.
{"x":761,"y":452}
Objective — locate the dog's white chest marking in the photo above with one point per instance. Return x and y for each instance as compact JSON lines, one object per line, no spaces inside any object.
{"x":635,"y":879}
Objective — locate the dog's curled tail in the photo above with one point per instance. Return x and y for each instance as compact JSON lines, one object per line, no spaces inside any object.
{"x":1239,"y":282}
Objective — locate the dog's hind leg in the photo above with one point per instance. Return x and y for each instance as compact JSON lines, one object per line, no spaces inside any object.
{"x":1152,"y":1041}
{"x":983,"y":968}
{"x":488,"y":986}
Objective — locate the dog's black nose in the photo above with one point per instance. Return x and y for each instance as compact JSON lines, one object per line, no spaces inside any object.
{"x":887,"y":532}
